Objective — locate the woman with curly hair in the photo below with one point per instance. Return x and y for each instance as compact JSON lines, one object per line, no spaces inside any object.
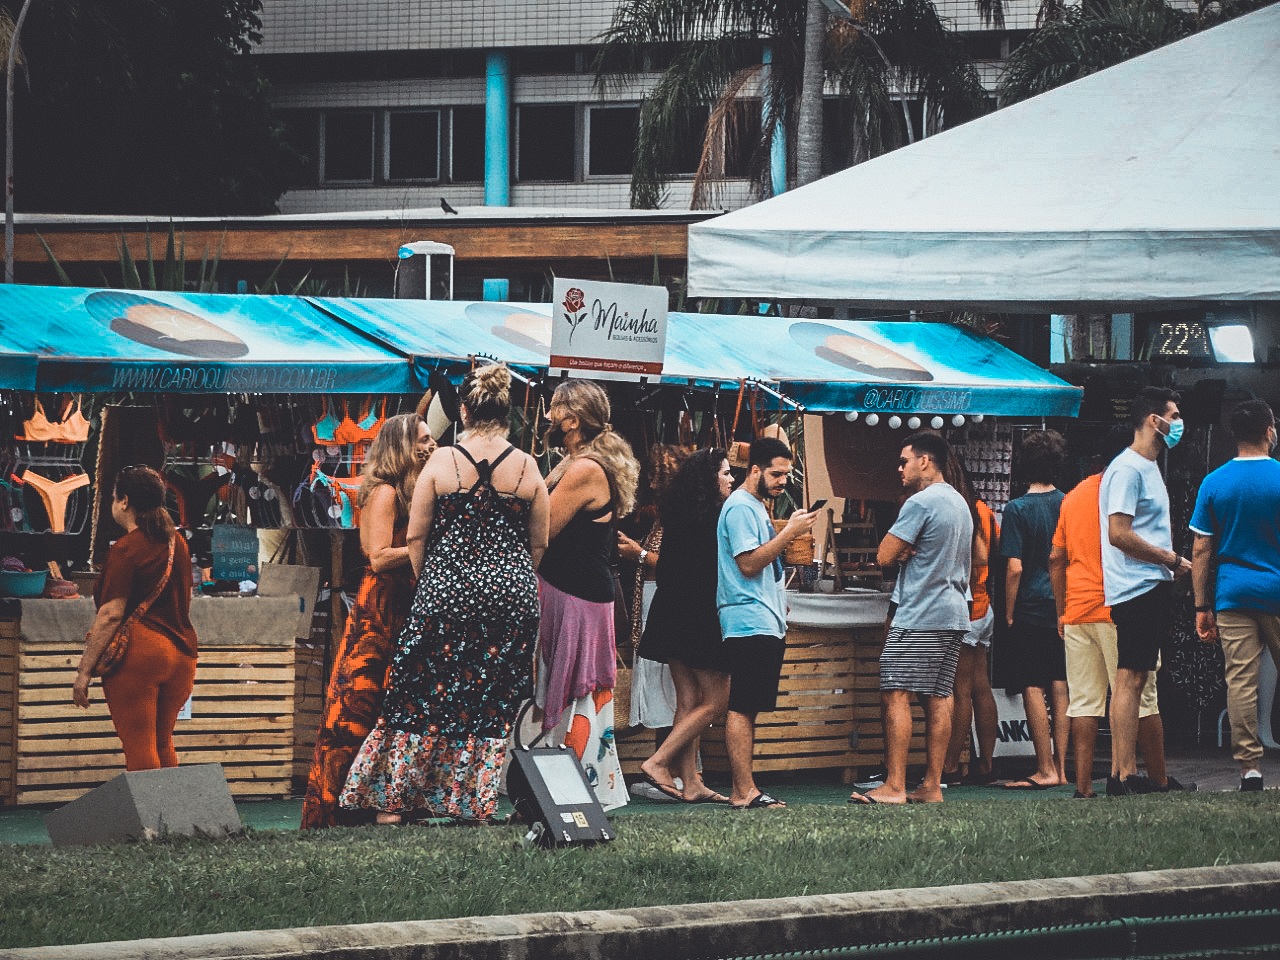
{"x":591,"y":488}
{"x":684,"y":627}
{"x":463,"y":663}
{"x":360,"y":669}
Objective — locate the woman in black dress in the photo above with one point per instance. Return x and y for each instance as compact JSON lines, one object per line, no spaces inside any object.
{"x":683,"y":629}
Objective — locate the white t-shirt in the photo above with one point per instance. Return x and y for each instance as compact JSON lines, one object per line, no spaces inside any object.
{"x":1132,"y":485}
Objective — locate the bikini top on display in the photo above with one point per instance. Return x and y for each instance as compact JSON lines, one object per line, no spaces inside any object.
{"x":330,"y":430}
{"x":39,"y":429}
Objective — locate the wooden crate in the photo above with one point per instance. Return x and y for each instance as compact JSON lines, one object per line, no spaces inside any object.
{"x":242,"y":718}
{"x":8,"y":705}
{"x":310,"y":684}
{"x":828,"y":713}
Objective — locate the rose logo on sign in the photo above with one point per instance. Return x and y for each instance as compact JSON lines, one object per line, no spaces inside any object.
{"x":574,"y":302}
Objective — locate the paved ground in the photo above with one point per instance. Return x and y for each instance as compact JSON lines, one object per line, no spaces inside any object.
{"x":1211,"y":768}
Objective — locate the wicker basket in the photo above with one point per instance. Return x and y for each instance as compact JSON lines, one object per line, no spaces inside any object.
{"x":799,"y":552}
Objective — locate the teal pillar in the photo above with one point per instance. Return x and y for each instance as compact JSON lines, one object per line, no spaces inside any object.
{"x":778,"y":145}
{"x":497,"y":130}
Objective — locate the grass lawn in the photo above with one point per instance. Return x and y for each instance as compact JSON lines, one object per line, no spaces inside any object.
{"x":273,"y":879}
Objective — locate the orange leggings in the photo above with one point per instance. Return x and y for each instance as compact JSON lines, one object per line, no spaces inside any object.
{"x":145,"y":695}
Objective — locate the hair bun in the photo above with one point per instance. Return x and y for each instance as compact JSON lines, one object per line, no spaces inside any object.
{"x":491,"y":382}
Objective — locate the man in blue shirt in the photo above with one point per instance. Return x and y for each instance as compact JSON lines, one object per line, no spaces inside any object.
{"x":1237,"y":525}
{"x":750,"y":597}
{"x":1139,"y":565}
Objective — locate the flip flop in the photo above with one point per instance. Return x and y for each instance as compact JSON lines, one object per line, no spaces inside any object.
{"x":1028,"y":784}
{"x":865,"y":800}
{"x":713,"y":797}
{"x":759,"y":802}
{"x":666,"y":789}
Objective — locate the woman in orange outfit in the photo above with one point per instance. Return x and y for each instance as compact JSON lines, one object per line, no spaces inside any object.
{"x":148,"y":689}
{"x":359,"y":678}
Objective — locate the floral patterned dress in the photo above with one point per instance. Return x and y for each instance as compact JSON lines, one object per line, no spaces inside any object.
{"x":463,"y":663}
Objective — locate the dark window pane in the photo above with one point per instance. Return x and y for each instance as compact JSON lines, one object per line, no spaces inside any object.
{"x":468,"y":144}
{"x":547,"y":139}
{"x":414,"y":145}
{"x":348,"y":146}
{"x":688,"y":147}
{"x":743,"y":138}
{"x":613,"y":140}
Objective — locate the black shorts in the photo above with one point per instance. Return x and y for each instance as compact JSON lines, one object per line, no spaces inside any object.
{"x":1038,"y":655}
{"x":755,"y":667}
{"x":1143,"y":626}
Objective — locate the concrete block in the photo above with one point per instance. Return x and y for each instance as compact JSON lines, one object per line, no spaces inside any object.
{"x":146,"y":804}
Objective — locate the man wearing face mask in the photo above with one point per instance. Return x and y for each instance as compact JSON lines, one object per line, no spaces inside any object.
{"x":1138,"y":569}
{"x":1235,"y":523}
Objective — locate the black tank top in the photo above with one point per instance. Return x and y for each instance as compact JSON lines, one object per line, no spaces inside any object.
{"x":577,"y":560}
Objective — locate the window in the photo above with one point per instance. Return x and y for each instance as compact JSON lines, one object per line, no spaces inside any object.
{"x":467,"y":141}
{"x":687,"y":153}
{"x":348,"y":146}
{"x":612,"y":140}
{"x":546,"y":142}
{"x":413,"y":145}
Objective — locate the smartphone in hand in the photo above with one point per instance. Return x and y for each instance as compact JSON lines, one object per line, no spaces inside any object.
{"x":817,"y":505}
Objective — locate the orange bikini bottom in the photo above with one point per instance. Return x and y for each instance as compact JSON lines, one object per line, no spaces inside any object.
{"x":55,"y":495}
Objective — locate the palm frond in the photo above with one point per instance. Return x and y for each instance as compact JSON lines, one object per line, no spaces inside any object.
{"x":1086,"y":41}
{"x":724,"y":133}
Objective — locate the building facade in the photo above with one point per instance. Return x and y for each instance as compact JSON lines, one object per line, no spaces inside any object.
{"x":399,"y":103}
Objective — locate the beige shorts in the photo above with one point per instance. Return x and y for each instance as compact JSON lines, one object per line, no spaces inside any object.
{"x":1091,"y":670}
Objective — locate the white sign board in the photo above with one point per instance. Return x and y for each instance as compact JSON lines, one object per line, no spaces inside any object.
{"x":608,"y":331}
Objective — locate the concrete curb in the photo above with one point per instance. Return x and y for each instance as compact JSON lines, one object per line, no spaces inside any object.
{"x":739,"y":928}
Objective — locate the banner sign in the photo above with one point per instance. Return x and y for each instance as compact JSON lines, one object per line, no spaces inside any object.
{"x":608,"y":331}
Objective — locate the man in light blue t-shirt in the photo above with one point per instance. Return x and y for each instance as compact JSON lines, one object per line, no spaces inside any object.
{"x":1138,"y":569}
{"x":1237,"y":525}
{"x":931,"y":543}
{"x":753,"y":607}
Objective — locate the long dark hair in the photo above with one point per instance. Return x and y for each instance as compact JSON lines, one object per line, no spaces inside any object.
{"x":693,"y":495}
{"x":144,"y":489}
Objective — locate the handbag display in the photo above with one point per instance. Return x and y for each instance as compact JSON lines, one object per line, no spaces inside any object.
{"x":113,"y":654}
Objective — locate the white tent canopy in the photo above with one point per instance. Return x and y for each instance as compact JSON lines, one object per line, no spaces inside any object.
{"x":1154,"y":182}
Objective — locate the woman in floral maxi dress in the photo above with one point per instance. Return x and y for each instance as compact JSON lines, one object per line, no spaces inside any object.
{"x":463,"y":663}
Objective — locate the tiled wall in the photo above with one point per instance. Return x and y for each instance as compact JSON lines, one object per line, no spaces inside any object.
{"x":314,"y":26}
{"x":605,"y":195}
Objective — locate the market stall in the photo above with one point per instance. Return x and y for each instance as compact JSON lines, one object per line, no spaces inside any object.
{"x":232,"y":399}
{"x":845,"y":392}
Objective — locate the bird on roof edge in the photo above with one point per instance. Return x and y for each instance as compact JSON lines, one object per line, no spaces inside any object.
{"x":444,"y":205}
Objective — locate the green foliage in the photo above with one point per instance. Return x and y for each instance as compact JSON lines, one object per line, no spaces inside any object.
{"x":714,"y":49}
{"x":1101,"y":33}
{"x":284,"y":879}
{"x":146,"y":107}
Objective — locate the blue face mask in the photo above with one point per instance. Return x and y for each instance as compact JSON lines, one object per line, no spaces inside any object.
{"x":1175,"y":432}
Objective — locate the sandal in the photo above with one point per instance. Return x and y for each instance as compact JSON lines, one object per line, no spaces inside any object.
{"x":759,"y":802}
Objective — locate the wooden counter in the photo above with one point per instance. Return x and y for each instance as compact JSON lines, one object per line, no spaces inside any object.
{"x":828,"y":714}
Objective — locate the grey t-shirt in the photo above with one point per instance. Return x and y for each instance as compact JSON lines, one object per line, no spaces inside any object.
{"x":932,"y":591}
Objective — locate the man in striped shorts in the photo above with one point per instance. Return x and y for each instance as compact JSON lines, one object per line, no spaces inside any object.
{"x":931,"y":544}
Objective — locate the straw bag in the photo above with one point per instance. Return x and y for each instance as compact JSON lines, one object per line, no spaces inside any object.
{"x":799,"y":552}
{"x":113,"y":654}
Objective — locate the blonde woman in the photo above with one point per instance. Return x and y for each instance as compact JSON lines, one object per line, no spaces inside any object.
{"x":591,"y":489}
{"x":464,"y":660}
{"x":359,"y":677}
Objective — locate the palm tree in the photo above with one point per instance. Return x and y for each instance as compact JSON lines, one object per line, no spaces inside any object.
{"x":1073,"y":42}
{"x":888,"y":51}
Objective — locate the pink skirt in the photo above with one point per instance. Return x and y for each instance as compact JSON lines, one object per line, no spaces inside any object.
{"x":578,"y":654}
